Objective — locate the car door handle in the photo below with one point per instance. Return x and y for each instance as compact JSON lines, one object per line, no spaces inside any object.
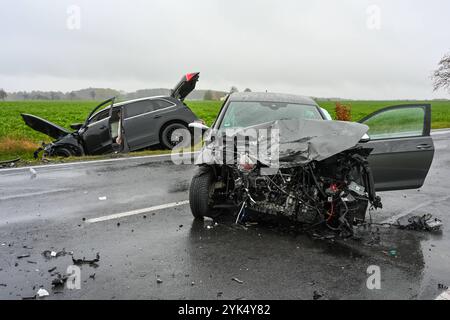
{"x":157,"y":116}
{"x":423,"y":146}
{"x":102,"y":127}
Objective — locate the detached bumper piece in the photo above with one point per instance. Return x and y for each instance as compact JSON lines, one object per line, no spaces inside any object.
{"x":420,"y":223}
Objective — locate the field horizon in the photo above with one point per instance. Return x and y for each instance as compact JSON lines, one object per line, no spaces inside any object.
{"x":18,"y":140}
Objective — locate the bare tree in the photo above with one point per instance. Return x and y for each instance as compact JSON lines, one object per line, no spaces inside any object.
{"x":247,"y":90}
{"x":441,"y":76}
{"x":3,"y":94}
{"x":234,"y":89}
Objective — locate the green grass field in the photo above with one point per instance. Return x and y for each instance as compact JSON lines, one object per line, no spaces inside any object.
{"x":18,"y":140}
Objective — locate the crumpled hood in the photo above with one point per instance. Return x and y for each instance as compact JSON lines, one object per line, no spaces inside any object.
{"x":44,"y":126}
{"x":299,"y":142}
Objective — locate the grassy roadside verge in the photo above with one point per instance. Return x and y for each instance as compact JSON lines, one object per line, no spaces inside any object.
{"x":17,"y":140}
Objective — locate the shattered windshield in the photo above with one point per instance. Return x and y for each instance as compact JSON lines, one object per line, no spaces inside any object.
{"x":241,"y":114}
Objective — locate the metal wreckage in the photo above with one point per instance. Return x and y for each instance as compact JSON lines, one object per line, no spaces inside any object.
{"x":321,"y":174}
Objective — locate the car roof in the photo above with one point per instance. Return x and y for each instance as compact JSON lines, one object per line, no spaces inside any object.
{"x":142,"y":99}
{"x":271,"y":97}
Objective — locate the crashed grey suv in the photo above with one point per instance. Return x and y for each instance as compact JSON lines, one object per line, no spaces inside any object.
{"x":140,"y":123}
{"x":281,"y":155}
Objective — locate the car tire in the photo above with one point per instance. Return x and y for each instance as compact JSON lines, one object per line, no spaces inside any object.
{"x":62,"y":152}
{"x":166,"y":135}
{"x":200,"y":193}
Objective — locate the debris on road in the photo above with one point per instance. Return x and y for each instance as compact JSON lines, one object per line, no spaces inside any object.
{"x":237,"y":280}
{"x":59,"y":281}
{"x":102,"y":198}
{"x":392,"y":253}
{"x":42,"y":293}
{"x":92,"y":276}
{"x":375,"y":238}
{"x":23,"y":256}
{"x":33,"y":173}
{"x":442,"y":286}
{"x":48,"y":254}
{"x":159,"y":281}
{"x":92,"y":262}
{"x":425,"y":222}
{"x":317,"y":295}
{"x":52,"y":269}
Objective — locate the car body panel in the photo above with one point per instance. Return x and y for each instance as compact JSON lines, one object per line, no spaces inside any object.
{"x":401,"y":162}
{"x":97,"y":137}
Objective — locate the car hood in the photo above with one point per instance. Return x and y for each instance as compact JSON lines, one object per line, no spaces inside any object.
{"x":294,"y":142}
{"x":44,"y":126}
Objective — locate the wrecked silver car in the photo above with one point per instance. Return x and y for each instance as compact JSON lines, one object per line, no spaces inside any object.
{"x":279,"y":155}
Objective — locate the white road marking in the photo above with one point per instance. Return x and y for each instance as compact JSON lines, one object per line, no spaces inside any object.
{"x":393,"y":219}
{"x":444,"y":296}
{"x":139,"y":211}
{"x":434,"y":132}
{"x":93,"y":162}
{"x":32,"y":194}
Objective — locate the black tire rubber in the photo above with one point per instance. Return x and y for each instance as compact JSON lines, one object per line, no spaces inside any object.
{"x":167,"y":132}
{"x":200,"y":193}
{"x":62,"y":152}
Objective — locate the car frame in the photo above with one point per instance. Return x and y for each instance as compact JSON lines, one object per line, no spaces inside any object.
{"x":399,"y":159}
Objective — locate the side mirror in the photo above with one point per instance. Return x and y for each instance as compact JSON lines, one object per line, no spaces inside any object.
{"x":76,"y":126}
{"x":365,"y":138}
{"x":198,"y":125}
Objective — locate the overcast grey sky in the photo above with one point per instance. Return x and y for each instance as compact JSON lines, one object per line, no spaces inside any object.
{"x":356,"y":49}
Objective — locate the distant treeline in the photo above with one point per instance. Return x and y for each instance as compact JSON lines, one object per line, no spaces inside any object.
{"x":103,"y":94}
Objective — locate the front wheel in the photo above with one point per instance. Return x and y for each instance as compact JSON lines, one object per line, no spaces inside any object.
{"x":201,"y":193}
{"x":62,"y":152}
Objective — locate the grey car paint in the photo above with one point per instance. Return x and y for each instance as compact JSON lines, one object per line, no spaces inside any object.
{"x":141,"y":130}
{"x":403,"y":162}
{"x":397,"y":163}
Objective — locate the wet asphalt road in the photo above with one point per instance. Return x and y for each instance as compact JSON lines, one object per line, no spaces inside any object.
{"x":197,"y":260}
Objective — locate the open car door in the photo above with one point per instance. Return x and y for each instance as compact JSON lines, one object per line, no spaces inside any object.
{"x":402,"y":146}
{"x":96,"y":131}
{"x":185,"y":86}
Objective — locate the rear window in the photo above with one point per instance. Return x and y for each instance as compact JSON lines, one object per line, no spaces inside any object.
{"x":161,"y":104}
